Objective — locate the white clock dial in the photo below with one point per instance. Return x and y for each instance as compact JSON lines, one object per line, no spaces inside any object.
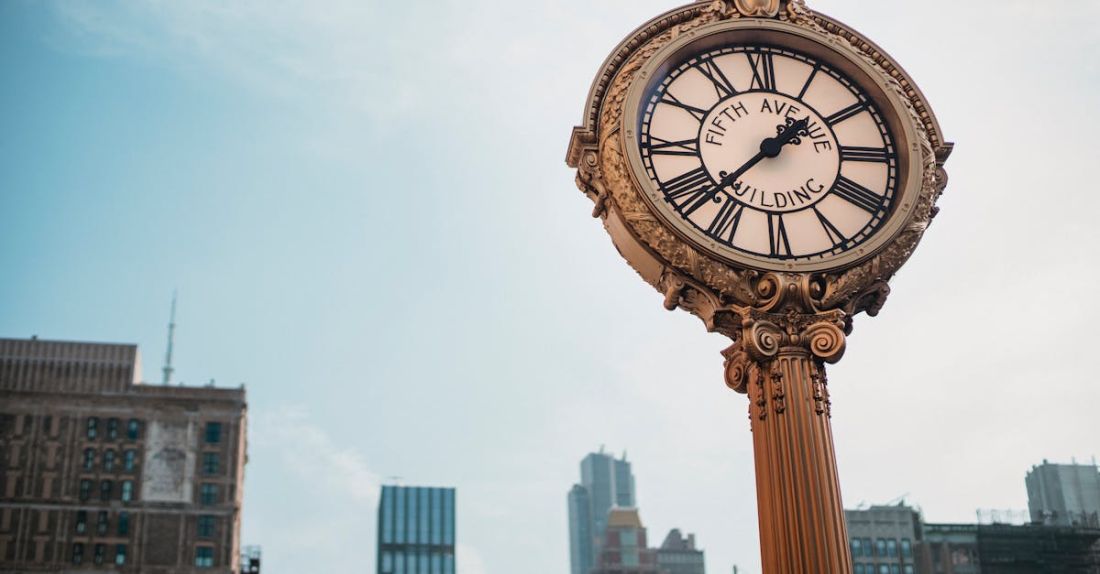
{"x":768,"y":152}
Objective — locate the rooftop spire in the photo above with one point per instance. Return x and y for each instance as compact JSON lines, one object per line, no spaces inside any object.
{"x":171,"y":337}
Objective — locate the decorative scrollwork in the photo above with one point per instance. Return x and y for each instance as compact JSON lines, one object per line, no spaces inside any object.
{"x":739,"y":368}
{"x":763,"y":340}
{"x":825,"y":341}
{"x":758,"y":8}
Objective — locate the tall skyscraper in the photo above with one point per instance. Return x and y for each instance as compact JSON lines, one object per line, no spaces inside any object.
{"x":606,"y":483}
{"x":99,"y":471}
{"x":1064,"y":494}
{"x":678,"y":555}
{"x":416,"y":530}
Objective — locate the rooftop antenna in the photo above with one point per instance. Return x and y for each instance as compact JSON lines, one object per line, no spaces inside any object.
{"x":171,"y":337}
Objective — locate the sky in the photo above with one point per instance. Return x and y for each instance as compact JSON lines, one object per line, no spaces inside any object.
{"x":365,"y":210}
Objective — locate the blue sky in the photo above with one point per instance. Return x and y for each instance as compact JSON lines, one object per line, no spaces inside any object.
{"x":365,"y":210}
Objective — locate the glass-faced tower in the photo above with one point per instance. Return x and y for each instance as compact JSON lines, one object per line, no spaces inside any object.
{"x":606,"y":483}
{"x":416,"y":530}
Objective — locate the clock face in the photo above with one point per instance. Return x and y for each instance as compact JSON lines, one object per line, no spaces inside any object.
{"x":765,"y":152}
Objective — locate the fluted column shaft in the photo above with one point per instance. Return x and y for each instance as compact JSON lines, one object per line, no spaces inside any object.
{"x":802,"y":526}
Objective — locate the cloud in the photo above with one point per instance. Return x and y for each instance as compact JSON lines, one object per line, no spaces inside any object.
{"x":327,"y":493}
{"x":468,"y":560}
{"x":307,"y":451}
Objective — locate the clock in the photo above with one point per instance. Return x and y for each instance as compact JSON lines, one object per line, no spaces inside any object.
{"x":770,"y":148}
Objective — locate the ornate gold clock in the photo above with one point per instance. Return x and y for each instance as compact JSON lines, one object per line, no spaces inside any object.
{"x":768,"y":169}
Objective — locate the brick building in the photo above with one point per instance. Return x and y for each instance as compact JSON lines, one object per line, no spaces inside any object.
{"x":99,"y":471}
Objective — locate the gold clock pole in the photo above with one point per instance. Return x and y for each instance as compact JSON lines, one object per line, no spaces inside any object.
{"x":787,"y":316}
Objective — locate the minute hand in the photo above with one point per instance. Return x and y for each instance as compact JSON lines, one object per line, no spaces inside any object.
{"x":769,"y":148}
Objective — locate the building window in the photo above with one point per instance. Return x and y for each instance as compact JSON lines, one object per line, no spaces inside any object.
{"x":204,"y":557}
{"x":857,"y":547}
{"x":85,"y":489}
{"x":206,"y":526}
{"x":78,"y":553}
{"x":908,"y":569}
{"x":123,"y":523}
{"x":859,"y":569}
{"x":906,"y":548}
{"x":895,"y":569}
{"x":210,"y":462}
{"x":47,"y":424}
{"x":89,"y":458}
{"x":101,"y":523}
{"x":100,"y":554}
{"x":880,"y":548}
{"x":208,"y":494}
{"x":109,"y":461}
{"x":128,"y":459}
{"x":120,"y":554}
{"x":867,"y":548}
{"x":883,"y":569}
{"x":112,"y":429}
{"x":213,"y":433}
{"x":93,"y":427}
{"x":105,"y":488}
{"x":81,"y":521}
{"x":892,"y":548}
{"x":133,"y":429}
{"x":127,"y":490}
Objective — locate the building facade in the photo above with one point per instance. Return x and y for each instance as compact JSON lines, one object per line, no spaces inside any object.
{"x":1064,"y":494}
{"x":625,"y":549}
{"x":678,"y":555}
{"x":882,"y":539}
{"x":606,"y":483}
{"x":100,"y":471}
{"x":416,"y":530}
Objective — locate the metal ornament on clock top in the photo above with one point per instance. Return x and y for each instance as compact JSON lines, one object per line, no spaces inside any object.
{"x":773,"y":32}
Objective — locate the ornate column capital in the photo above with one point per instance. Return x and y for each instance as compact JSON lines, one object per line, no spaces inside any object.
{"x":765,"y":337}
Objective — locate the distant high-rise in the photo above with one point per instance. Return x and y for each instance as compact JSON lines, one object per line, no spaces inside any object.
{"x":678,"y":555}
{"x":1064,"y":494}
{"x":416,"y":530}
{"x":606,"y":483}
{"x":625,"y":550}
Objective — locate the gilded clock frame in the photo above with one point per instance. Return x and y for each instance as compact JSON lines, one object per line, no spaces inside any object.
{"x":699,"y":279}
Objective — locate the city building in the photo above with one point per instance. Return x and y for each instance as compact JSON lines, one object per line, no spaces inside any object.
{"x":1064,"y":494}
{"x":606,"y":483}
{"x":678,"y":555}
{"x":416,"y":530}
{"x":251,"y":557}
{"x":948,"y":549}
{"x":882,"y":539}
{"x":625,"y":549}
{"x":100,"y":471}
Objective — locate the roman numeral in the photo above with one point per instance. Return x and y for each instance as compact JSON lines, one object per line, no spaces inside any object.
{"x":868,"y":154}
{"x":725,"y":223}
{"x":658,"y":146}
{"x":810,"y":80}
{"x":857,"y":195}
{"x":722,"y":85}
{"x":672,"y":101}
{"x":763,"y":72}
{"x":687,"y":188}
{"x":848,"y":112}
{"x":835,"y":236}
{"x":780,"y":244}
